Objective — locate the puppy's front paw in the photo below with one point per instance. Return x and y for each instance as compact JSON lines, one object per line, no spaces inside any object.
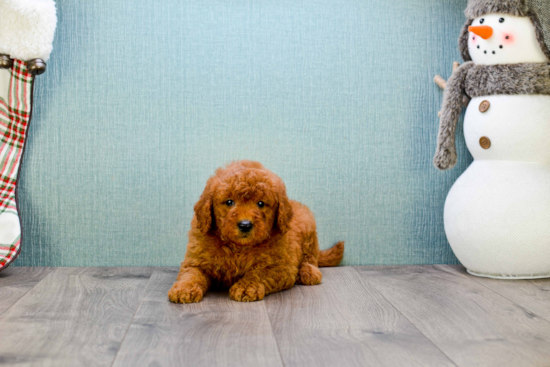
{"x":185,"y":293}
{"x":310,"y":275}
{"x":245,"y":291}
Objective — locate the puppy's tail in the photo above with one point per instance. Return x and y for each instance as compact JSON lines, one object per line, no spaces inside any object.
{"x":333,"y":256}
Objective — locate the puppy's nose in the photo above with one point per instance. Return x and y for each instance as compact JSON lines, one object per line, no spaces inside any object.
{"x":245,"y":226}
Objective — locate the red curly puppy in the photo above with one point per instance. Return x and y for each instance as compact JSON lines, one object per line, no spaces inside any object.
{"x":247,"y":236}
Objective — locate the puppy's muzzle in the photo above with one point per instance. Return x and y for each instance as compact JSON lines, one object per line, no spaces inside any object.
{"x":245,"y":226}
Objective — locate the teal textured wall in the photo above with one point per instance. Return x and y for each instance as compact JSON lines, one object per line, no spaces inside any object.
{"x":142,"y":100}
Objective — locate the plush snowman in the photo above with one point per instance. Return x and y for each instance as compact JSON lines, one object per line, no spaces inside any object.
{"x":497,"y":214}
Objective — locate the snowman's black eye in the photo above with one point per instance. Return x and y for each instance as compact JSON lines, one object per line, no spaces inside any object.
{"x":229,"y":203}
{"x":261,"y":204}
{"x":482,"y":20}
{"x":501,"y":20}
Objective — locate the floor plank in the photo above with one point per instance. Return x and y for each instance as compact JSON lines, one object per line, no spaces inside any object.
{"x":214,"y":332}
{"x":472,"y":324}
{"x":534,"y":294}
{"x":15,"y":282}
{"x":74,"y":317}
{"x":345,"y":322}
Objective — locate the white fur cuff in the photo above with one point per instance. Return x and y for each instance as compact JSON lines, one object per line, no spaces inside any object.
{"x":27,"y":28}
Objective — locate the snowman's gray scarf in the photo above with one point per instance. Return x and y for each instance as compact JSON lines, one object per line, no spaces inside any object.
{"x":470,"y":81}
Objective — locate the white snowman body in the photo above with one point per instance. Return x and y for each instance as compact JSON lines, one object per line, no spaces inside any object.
{"x":497,"y":214}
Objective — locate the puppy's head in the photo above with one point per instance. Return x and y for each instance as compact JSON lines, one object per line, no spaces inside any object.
{"x":244,"y":203}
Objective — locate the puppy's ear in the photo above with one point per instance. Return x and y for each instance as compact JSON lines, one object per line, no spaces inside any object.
{"x":284,"y":213}
{"x":204,"y":209}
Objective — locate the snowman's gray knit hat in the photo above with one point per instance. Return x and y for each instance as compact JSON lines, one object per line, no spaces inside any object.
{"x":537,"y":10}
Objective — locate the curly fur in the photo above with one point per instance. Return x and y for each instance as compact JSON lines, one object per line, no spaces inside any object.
{"x":280,"y":250}
{"x":471,"y":81}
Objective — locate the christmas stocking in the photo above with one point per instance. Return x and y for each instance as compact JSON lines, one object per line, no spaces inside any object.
{"x":26,"y":33}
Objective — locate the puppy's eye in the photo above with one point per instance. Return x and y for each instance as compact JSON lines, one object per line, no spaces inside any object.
{"x":229,"y":203}
{"x":481,"y":21}
{"x":501,"y":20}
{"x":261,"y":204}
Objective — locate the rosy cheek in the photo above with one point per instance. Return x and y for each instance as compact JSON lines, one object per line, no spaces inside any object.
{"x":508,"y":38}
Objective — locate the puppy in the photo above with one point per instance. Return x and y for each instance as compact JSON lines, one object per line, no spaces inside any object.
{"x":248,"y":237}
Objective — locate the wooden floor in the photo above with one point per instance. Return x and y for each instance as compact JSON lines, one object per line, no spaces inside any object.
{"x":359,"y":316}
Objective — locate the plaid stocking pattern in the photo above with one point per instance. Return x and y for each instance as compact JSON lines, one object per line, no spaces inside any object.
{"x":15,"y":111}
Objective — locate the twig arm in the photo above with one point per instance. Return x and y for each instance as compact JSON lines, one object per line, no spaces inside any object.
{"x":442,"y":83}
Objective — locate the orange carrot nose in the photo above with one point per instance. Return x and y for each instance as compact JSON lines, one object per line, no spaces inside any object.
{"x":483,"y":31}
